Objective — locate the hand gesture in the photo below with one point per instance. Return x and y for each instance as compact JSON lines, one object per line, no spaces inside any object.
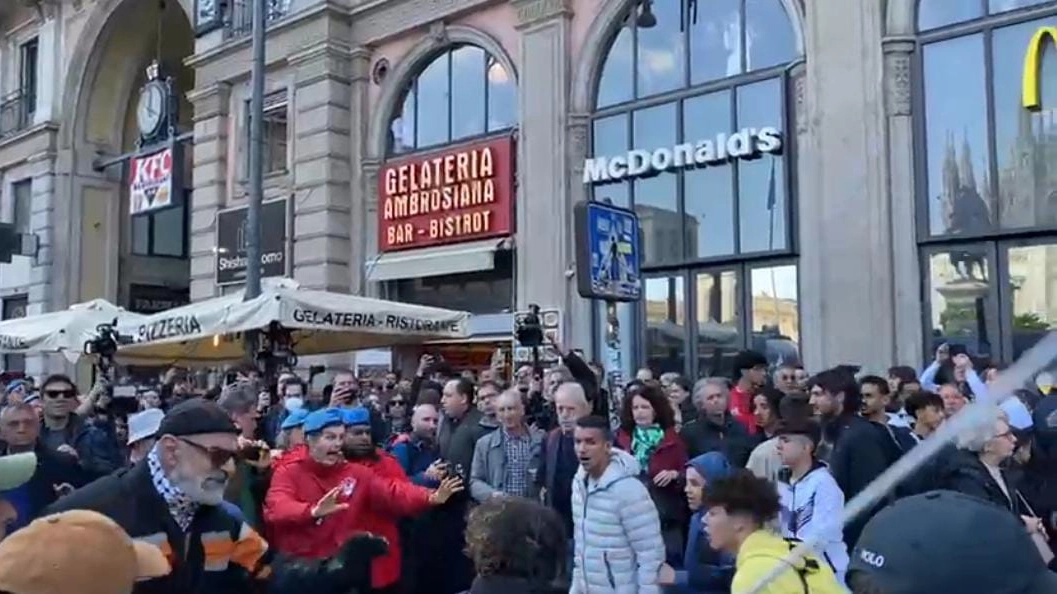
{"x":666,"y":575}
{"x":963,"y":361}
{"x":943,"y":353}
{"x":437,"y":470}
{"x":448,"y":487}
{"x":339,"y":398}
{"x":425,"y":362}
{"x":67,"y":449}
{"x":329,"y":504}
{"x":665,"y":477}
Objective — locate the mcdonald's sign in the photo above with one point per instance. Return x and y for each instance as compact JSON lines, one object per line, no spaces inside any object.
{"x":1030,"y":97}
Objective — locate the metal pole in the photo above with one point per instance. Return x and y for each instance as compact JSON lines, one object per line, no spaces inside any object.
{"x":253,"y":212}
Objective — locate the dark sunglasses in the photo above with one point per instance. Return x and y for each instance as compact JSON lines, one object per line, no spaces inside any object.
{"x":397,"y":403}
{"x":217,"y":456}
{"x":60,"y":393}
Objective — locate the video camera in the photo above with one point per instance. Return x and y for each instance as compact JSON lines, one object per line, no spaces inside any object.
{"x":529,"y":330}
{"x":105,"y":344}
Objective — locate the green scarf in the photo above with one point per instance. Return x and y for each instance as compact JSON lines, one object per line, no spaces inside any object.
{"x":644,"y":441}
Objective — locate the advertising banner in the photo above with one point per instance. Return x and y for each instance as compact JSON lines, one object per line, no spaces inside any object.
{"x":457,"y":195}
{"x":154,"y":181}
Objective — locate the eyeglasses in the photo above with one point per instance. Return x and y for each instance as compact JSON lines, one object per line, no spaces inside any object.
{"x":60,"y":394}
{"x":397,"y":403}
{"x":1007,"y":435}
{"x":217,"y":456}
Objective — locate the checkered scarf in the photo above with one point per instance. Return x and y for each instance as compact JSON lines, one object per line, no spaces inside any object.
{"x":181,"y":507}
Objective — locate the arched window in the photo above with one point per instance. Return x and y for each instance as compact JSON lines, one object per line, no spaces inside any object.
{"x":986,"y":180}
{"x":461,"y":93}
{"x":705,"y":82}
{"x":725,"y":38}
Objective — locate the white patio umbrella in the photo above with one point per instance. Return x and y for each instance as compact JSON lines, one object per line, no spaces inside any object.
{"x":208,"y":332}
{"x":63,"y":331}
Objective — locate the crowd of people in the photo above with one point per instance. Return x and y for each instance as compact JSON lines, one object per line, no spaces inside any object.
{"x":446,"y":482}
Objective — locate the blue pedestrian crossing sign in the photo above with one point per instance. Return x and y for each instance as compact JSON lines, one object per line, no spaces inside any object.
{"x":608,"y":252}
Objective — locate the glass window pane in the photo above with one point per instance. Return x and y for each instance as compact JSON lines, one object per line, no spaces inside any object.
{"x":715,"y":41}
{"x":610,"y":137}
{"x":467,"y":92}
{"x":141,"y":235}
{"x":1026,"y":142}
{"x":22,"y":197}
{"x":768,"y":35}
{"x":615,"y":83}
{"x":660,"y":60}
{"x":959,"y":299}
{"x":959,"y":198}
{"x":656,"y":198}
{"x":997,"y":6}
{"x":502,"y":97}
{"x":776,"y":313}
{"x":937,"y":13}
{"x":1033,"y":287}
{"x":709,"y":191}
{"x":433,"y":102}
{"x":169,"y":232}
{"x":718,"y":335}
{"x":666,"y":324}
{"x":402,"y":130}
{"x":761,"y":187}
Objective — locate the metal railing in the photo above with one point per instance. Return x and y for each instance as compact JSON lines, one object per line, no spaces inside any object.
{"x":16,"y":112}
{"x":238,"y":22}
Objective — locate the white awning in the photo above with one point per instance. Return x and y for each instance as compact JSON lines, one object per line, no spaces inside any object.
{"x":436,"y":261}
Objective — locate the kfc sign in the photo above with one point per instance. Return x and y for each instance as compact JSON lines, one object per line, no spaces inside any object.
{"x":457,"y":195}
{"x":153,"y":181}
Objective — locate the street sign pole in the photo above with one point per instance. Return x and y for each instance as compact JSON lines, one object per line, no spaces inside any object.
{"x":256,"y":194}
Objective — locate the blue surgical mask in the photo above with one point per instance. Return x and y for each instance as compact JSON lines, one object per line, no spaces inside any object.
{"x":293,"y":403}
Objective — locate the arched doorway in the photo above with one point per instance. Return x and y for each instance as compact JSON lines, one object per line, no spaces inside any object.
{"x":100,"y":251}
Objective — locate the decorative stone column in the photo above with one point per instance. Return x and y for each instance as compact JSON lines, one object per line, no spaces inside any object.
{"x":210,"y":177}
{"x":906,"y":281}
{"x":845,"y":217}
{"x":322,"y":168}
{"x":544,"y":208}
{"x":369,"y":193}
{"x":363,"y":178}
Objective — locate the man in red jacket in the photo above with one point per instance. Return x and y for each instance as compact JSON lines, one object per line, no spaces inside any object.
{"x":360,"y":450}
{"x":317,"y":502}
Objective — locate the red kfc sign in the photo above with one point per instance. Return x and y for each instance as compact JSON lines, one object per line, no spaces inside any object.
{"x":453,"y":196}
{"x":152,"y":181}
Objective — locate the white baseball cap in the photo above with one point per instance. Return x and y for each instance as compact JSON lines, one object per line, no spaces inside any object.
{"x":144,"y":424}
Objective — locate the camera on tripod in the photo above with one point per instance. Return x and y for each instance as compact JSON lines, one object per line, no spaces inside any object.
{"x":106,"y":342}
{"x":529,"y":329}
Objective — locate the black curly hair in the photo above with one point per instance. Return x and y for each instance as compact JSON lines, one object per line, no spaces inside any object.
{"x":744,"y":493}
{"x":663,"y":413}
{"x":517,"y":537}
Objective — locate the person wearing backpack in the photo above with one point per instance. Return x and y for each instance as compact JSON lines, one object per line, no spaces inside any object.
{"x":740,"y":509}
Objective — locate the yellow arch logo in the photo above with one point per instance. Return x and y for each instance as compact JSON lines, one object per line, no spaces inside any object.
{"x":1029,"y":94}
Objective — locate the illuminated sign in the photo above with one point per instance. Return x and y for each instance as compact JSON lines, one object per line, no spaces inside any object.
{"x":1029,"y":92}
{"x":458,"y":195}
{"x":747,"y":143}
{"x":154,"y":181}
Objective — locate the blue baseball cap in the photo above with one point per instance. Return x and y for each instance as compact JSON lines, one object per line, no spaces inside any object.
{"x":296,"y":418}
{"x":356,"y":416}
{"x":321,"y":419}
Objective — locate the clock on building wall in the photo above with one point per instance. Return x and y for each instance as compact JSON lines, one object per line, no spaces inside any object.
{"x":208,"y":16}
{"x":156,"y":108}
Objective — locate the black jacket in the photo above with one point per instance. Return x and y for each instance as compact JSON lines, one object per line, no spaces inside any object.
{"x":730,"y":437}
{"x":862,"y":451}
{"x":53,"y":469}
{"x":457,"y":439}
{"x":967,"y":474}
{"x":496,"y":584}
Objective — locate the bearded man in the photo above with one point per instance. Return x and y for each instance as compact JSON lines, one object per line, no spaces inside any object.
{"x":172,"y":499}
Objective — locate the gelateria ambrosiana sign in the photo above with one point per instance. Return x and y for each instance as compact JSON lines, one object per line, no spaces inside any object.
{"x":747,"y":143}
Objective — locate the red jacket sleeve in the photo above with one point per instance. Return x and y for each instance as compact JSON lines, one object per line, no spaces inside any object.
{"x":281,"y":505}
{"x":396,"y":496}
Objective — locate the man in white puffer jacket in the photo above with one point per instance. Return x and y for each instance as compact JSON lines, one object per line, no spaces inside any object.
{"x":617,"y":533}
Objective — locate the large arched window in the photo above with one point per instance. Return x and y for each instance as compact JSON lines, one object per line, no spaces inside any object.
{"x":987,"y":179}
{"x":462,"y":93}
{"x":718,"y":241}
